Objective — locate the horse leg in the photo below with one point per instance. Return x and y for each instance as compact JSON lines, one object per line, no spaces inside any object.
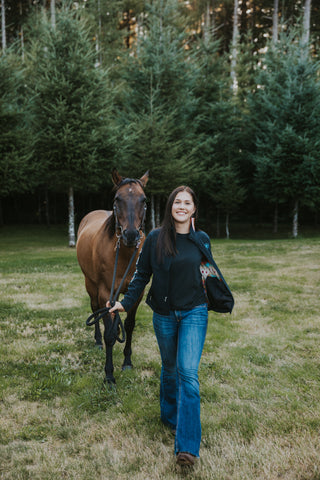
{"x":129,"y":325}
{"x":97,"y":330}
{"x":109,"y":342}
{"x":94,"y":301}
{"x":98,"y":336}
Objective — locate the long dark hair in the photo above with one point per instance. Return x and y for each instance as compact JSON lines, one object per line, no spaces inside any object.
{"x":166,"y":244}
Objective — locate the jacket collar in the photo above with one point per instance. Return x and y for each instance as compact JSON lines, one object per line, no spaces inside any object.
{"x":196,"y":238}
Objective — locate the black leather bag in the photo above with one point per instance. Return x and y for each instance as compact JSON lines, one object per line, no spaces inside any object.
{"x":220,"y":298}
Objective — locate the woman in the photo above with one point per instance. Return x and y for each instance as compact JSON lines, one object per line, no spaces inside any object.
{"x":172,"y":254}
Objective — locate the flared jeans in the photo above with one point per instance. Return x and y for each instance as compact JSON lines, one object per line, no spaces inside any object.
{"x":181,"y":337}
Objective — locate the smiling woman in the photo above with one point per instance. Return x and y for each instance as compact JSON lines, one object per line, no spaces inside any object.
{"x":173,"y":255}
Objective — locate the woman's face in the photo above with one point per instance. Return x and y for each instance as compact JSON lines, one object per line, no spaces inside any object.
{"x":183,"y":208}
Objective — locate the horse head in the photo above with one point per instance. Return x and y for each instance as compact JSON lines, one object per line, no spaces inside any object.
{"x":129,"y":207}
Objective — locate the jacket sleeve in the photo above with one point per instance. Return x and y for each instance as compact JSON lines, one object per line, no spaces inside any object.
{"x":140,"y":278}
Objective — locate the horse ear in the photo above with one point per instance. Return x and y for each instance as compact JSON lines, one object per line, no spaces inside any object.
{"x":144,"y":179}
{"x":116,"y":177}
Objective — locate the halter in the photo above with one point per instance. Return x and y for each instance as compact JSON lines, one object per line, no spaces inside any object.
{"x":119,"y":227}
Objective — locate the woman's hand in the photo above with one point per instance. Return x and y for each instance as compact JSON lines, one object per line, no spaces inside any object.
{"x":117,"y":306}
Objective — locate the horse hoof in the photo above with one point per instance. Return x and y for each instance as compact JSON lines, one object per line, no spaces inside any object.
{"x":127,"y":367}
{"x":98,"y":346}
{"x":110,"y":381}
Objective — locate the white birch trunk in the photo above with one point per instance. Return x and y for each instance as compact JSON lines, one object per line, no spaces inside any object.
{"x":306,"y":23}
{"x":72,"y":237}
{"x":97,"y":62}
{"x":3,"y":26}
{"x":139,"y":30}
{"x":275,"y":218}
{"x":234,"y":48}
{"x":157,"y":211}
{"x":53,"y":13}
{"x":98,"y":38}
{"x":295,"y":219}
{"x":227,"y":226}
{"x":206,"y":33}
{"x":21,"y":34}
{"x":218,"y":223}
{"x":153,"y":221}
{"x":275,"y":22}
{"x":47,"y":207}
{"x":1,"y":214}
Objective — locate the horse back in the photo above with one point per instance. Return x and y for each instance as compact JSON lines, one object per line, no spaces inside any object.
{"x":92,"y":239}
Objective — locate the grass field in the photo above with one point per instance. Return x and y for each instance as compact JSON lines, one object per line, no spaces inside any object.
{"x":259,"y":375}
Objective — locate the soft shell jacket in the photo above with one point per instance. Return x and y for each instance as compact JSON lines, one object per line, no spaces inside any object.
{"x":158,"y":298}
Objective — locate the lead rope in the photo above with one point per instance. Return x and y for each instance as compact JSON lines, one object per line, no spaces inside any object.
{"x":117,"y":322}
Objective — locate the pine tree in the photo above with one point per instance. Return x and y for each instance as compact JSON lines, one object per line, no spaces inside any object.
{"x":285,"y":113}
{"x":218,"y":133}
{"x":72,"y":108}
{"x":156,"y":103}
{"x":17,"y":174}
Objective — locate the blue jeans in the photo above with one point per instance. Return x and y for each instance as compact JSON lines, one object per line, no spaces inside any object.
{"x":181,"y":337}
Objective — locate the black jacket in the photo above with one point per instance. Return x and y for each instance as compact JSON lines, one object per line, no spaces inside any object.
{"x":158,"y":298}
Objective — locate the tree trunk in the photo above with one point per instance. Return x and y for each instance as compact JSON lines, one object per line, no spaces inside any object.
{"x":47,"y":205}
{"x":275,"y":19}
{"x":21,"y":33}
{"x":157,"y":211}
{"x":72,"y":237}
{"x":153,"y":221}
{"x":1,"y":214}
{"x":234,"y":48}
{"x":306,"y":23}
{"x":139,"y":30}
{"x":98,"y":38}
{"x":275,"y":219}
{"x":3,"y":26}
{"x":227,"y":227}
{"x":218,"y":223}
{"x":53,"y":13}
{"x":295,"y":219}
{"x":207,"y":32}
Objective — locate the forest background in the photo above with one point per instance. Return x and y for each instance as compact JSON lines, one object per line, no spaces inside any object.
{"x":221,"y":95}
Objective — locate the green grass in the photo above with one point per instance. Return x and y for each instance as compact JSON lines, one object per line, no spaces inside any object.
{"x":259,"y":375}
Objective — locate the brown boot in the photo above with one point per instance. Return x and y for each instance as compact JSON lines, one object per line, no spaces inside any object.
{"x":185,"y":458}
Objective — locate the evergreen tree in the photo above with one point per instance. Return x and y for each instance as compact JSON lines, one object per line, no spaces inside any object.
{"x":156,"y":104}
{"x":285,"y":112}
{"x":72,"y":109}
{"x":17,"y":174}
{"x":104,"y":21}
{"x":219,"y":133}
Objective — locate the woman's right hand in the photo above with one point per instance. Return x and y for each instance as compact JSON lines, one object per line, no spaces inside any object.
{"x":117,"y":307}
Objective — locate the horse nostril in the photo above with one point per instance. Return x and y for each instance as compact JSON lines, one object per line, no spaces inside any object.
{"x":131,"y":237}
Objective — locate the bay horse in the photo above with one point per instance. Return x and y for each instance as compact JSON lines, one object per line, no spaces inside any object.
{"x":99,"y":234}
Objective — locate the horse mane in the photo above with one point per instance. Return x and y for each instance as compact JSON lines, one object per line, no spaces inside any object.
{"x":111,"y":226}
{"x":110,"y":223}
